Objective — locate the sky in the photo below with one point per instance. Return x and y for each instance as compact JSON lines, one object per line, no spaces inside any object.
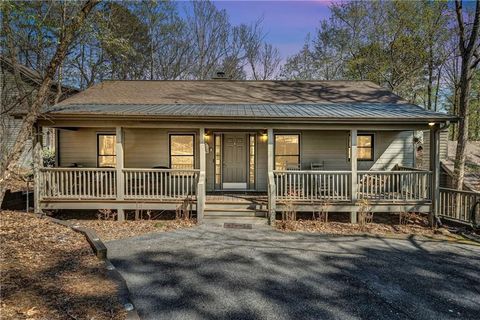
{"x":286,"y":23}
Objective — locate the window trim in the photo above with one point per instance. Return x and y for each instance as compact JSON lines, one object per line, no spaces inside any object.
{"x":219,"y":148}
{"x":252,"y":186}
{"x":98,"y":148}
{"x":170,"y":148}
{"x":299,"y":156}
{"x":372,"y":158}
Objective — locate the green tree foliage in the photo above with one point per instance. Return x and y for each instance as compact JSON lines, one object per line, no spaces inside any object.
{"x":397,"y":44}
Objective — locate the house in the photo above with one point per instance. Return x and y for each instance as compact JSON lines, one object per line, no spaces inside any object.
{"x":239,"y":150}
{"x":11,"y":110}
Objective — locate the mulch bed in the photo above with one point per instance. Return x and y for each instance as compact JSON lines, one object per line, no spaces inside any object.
{"x":111,"y":229}
{"x":50,"y":272}
{"x":383,"y":224}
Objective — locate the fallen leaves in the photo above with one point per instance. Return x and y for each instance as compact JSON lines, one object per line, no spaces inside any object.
{"x":50,"y":272}
{"x":384,"y":224}
{"x":112,"y":230}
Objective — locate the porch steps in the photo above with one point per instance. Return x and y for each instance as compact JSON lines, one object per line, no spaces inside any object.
{"x":242,"y":212}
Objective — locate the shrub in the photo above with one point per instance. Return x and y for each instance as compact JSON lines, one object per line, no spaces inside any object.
{"x":48,"y":158}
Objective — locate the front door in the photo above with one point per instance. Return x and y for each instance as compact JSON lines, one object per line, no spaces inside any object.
{"x":234,"y":161}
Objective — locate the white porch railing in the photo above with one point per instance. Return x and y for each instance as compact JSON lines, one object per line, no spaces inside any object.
{"x":457,"y":204}
{"x":299,"y":185}
{"x":77,"y":183}
{"x":394,"y":186}
{"x":160,"y":184}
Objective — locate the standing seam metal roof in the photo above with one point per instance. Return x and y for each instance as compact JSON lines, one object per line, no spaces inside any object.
{"x":256,"y":111}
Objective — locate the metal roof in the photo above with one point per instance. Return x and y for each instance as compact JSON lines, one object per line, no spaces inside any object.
{"x":318,"y":111}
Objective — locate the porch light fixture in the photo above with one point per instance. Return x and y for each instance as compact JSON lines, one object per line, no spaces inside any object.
{"x":431,"y":124}
{"x":206,"y":134}
{"x":263,"y":135}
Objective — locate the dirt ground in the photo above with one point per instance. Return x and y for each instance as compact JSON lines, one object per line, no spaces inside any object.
{"x":113,"y":230}
{"x":50,"y":272}
{"x":383,"y":224}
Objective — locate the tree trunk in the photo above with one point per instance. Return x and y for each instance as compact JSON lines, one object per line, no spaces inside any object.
{"x":42,"y":94}
{"x":468,"y":49}
{"x":435,"y":103}
{"x":430,"y":82}
{"x":461,"y":154}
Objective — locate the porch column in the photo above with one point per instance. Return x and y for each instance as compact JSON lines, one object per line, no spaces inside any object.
{"x":272,"y":191}
{"x":435,"y":177}
{"x":37,"y":159}
{"x":119,"y":172}
{"x":271,"y":155}
{"x":353,"y":166}
{"x":201,"y":194}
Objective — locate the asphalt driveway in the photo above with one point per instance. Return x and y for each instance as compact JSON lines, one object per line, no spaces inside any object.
{"x":214,"y":273}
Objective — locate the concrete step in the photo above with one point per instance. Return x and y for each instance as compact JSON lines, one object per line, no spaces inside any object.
{"x":235,"y":205}
{"x":221,"y":220}
{"x":234,"y":213}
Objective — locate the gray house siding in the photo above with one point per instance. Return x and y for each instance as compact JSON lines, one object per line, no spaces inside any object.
{"x":426,"y":148}
{"x":10,"y":125}
{"x":147,"y":148}
{"x":144,"y":148}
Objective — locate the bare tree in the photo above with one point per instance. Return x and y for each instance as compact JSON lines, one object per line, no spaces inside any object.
{"x":64,"y":41}
{"x":469,"y":48}
{"x":210,"y":31}
{"x":268,"y":62}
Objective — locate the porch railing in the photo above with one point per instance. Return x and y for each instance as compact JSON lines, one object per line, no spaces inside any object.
{"x":335,"y":186}
{"x":78,"y":183}
{"x":298,"y":185}
{"x":101,"y":183}
{"x":394,"y":186}
{"x":160,"y":184}
{"x":457,"y":204}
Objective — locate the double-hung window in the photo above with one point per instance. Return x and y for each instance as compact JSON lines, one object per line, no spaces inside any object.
{"x":106,"y":154}
{"x":365,"y":150}
{"x":287,"y":151}
{"x":182,"y":154}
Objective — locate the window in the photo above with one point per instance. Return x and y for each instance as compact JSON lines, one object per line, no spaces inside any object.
{"x":106,"y":154}
{"x":251,"y":161}
{"x":287,"y":151}
{"x":364,"y":147}
{"x":182,"y":151}
{"x":218,"y":161}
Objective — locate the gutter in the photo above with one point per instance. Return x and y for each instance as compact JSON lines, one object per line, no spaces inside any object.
{"x":343,"y":120}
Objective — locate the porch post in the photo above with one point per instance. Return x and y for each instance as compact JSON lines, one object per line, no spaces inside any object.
{"x":272,"y":191}
{"x":119,"y":172}
{"x":201,"y":194}
{"x":270,"y":164}
{"x":435,"y":176}
{"x":353,"y":164}
{"x":37,"y":159}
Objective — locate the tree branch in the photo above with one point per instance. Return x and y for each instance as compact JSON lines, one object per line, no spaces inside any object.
{"x":475,"y":29}
{"x":28,"y":123}
{"x":461,"y":27}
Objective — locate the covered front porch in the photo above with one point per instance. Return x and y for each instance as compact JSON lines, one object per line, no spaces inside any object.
{"x":276,"y":167}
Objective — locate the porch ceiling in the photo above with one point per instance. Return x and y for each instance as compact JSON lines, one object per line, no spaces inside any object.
{"x":321,"y":112}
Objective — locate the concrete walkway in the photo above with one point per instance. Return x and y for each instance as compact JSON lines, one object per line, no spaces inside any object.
{"x":216,"y":273}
